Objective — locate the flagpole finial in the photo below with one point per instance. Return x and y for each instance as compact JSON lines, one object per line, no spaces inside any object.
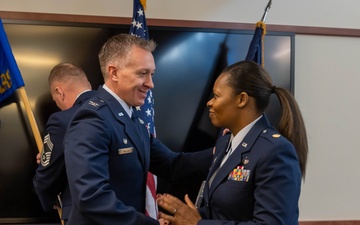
{"x":143,"y":3}
{"x":267,"y":8}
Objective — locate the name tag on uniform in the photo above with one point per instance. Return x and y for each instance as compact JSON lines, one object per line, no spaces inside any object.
{"x":122,"y":151}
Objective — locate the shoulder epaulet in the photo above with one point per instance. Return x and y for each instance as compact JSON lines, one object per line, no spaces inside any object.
{"x":271,"y":134}
{"x":95,"y":103}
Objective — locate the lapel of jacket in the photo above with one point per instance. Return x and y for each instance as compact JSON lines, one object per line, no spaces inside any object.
{"x":236,"y":157}
{"x":143,"y":133}
{"x":122,"y":117}
{"x":220,"y":151}
{"x":219,"y":155}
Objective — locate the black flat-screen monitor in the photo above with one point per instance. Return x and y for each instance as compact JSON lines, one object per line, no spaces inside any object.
{"x":188,"y":60}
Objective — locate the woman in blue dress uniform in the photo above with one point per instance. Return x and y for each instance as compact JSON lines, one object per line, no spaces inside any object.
{"x":255,"y":177}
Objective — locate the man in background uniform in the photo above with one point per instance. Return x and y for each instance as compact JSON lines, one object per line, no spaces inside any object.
{"x":69,"y":88}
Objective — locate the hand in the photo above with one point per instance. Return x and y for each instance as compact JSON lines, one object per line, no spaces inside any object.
{"x":38,"y":159}
{"x":163,"y":222}
{"x":182,"y":214}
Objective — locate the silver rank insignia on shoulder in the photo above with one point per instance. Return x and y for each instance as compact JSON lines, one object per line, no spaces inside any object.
{"x":93,"y":103}
{"x":276,"y":135}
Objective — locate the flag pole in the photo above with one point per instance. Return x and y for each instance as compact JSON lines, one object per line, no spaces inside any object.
{"x":34,"y":129}
{"x":19,"y":85}
{"x":262,"y":23}
{"x":267,"y":8}
{"x":31,"y":118}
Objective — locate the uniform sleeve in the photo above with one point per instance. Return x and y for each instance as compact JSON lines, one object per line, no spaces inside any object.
{"x":50,"y":176}
{"x":179,"y":167}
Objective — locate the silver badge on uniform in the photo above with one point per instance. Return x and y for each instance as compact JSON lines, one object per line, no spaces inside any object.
{"x":93,"y":103}
{"x":245,"y":161}
{"x":46,"y":153}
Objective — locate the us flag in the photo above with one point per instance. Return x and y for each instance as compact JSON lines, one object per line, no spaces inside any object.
{"x":138,"y":24}
{"x":146,"y":111}
{"x":139,"y":29}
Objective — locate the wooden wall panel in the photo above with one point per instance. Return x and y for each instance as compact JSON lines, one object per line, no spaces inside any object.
{"x":108,"y":20}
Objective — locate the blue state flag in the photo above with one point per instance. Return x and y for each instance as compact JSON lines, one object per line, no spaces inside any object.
{"x":11,"y":78}
{"x":140,"y":29}
{"x":256,"y":48}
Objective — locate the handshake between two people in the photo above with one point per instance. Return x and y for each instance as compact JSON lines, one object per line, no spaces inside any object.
{"x":178,"y":212}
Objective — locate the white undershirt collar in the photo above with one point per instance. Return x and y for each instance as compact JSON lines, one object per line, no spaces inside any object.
{"x":126,"y":107}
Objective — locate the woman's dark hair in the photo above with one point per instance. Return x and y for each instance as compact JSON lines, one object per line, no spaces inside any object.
{"x":250,"y":77}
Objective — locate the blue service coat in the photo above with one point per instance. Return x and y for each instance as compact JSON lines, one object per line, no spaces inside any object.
{"x":50,"y":178}
{"x":259,"y":183}
{"x":108,"y":156}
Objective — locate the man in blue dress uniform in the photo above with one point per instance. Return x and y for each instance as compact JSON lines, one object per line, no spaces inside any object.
{"x":109,"y":150}
{"x":69,"y":88}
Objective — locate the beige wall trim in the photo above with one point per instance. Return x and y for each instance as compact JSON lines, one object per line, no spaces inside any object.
{"x":107,"y":20}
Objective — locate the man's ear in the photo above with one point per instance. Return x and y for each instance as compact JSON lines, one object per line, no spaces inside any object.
{"x":59,"y":92}
{"x":243,"y":99}
{"x":112,"y":72}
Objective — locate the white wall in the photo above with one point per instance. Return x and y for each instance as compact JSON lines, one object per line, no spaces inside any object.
{"x":325,"y":13}
{"x":327,"y":76}
{"x":327,"y":82}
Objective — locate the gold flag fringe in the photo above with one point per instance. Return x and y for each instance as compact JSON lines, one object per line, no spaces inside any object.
{"x":263,"y":26}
